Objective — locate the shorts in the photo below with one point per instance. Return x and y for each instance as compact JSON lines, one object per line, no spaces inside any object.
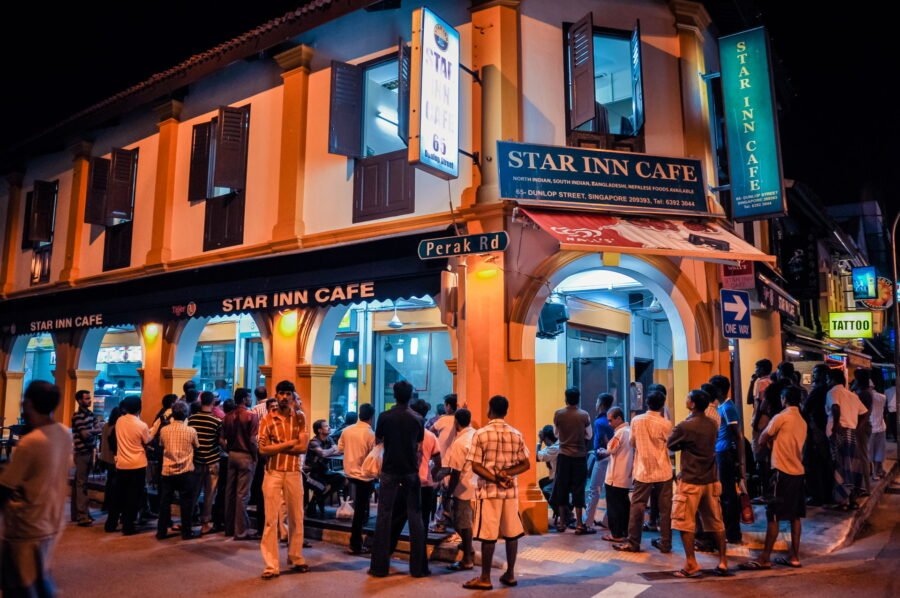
{"x":462,"y":513}
{"x":788,"y":500}
{"x":691,"y":499}
{"x":497,"y":518}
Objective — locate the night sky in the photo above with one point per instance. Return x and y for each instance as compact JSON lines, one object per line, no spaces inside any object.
{"x":838,"y":128}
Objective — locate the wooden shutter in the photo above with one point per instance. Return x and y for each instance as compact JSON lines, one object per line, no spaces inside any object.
{"x":224,"y":221}
{"x":404,"y":64}
{"x":120,"y":198}
{"x":232,"y":135}
{"x":98,"y":185}
{"x":345,"y":111}
{"x":383,"y":186}
{"x":198,"y":181}
{"x":117,"y":246}
{"x":581,"y":65}
{"x":43,"y":209}
{"x":637,"y":79}
{"x":29,"y":201}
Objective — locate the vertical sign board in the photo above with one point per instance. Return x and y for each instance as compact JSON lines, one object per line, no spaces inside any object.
{"x":434,"y":96}
{"x":735,"y":313}
{"x":865,"y":283}
{"x":754,"y":157}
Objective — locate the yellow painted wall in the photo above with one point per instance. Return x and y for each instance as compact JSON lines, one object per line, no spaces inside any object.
{"x":596,"y":315}
{"x":765,"y":344}
{"x":414,"y":319}
{"x":219,"y":331}
{"x":550,"y":379}
{"x":664,"y":377}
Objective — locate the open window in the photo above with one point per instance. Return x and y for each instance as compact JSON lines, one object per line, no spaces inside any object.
{"x":39,"y":223}
{"x":604,"y":86}
{"x":110,"y":204}
{"x":218,"y":175}
{"x":368,"y":122}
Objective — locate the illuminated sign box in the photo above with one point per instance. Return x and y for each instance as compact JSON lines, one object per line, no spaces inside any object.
{"x":850,"y":324}
{"x":865,"y":283}
{"x":434,"y":91}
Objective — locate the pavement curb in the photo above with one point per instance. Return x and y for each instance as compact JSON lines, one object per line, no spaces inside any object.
{"x":863,"y":514}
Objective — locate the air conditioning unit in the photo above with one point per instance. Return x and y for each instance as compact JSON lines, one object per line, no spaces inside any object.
{"x":552,"y":321}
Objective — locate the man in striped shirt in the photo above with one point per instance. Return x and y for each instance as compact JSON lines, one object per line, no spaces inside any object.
{"x":283,"y":438}
{"x":206,"y":458}
{"x":84,"y":433}
{"x":178,"y":442}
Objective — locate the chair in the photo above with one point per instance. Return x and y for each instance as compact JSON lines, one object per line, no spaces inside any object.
{"x":9,"y":437}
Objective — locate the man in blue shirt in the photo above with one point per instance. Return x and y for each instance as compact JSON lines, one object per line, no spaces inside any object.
{"x":603,"y":433}
{"x":729,"y":458}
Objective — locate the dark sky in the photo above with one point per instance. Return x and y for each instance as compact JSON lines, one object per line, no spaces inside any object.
{"x":838,"y":133}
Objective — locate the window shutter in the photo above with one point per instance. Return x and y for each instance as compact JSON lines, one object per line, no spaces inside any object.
{"x":29,"y":201}
{"x":404,"y":64}
{"x":383,"y":186}
{"x":198,"y":181}
{"x":117,"y":246}
{"x":43,"y":209}
{"x":98,"y":185}
{"x":120,"y":199}
{"x":232,"y":134}
{"x":345,"y":112}
{"x":581,"y":65}
{"x":224,"y":221}
{"x":637,"y":79}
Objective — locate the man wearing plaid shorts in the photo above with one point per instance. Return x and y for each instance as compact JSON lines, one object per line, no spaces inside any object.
{"x":497,"y":455}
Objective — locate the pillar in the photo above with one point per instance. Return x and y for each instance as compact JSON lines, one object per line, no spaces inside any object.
{"x":173,"y":380}
{"x":289,"y":223}
{"x":67,"y":344}
{"x":152,"y":383}
{"x":164,"y":184}
{"x":314,"y":387}
{"x":11,"y":239}
{"x":496,"y":113}
{"x":11,"y":396}
{"x":765,"y":344}
{"x":266,"y":371}
{"x":452,"y":366}
{"x":285,"y":326}
{"x":81,"y":158}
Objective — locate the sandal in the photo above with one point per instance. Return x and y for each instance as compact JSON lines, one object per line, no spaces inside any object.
{"x":722,"y":572}
{"x":269,"y":575}
{"x":685,"y":574}
{"x":786,"y":563}
{"x":611,"y":538}
{"x":460,"y":566}
{"x":584,"y":531}
{"x":478,"y":584}
{"x":625,"y":548}
{"x":508,"y":581}
{"x":755,"y":566}
{"x":657,"y":544}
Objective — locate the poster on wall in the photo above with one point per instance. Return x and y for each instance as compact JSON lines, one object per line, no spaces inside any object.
{"x":751,"y":126}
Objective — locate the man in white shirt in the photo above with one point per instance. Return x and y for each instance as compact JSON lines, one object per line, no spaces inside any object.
{"x":355,"y":443}
{"x":462,"y":486}
{"x":618,"y":477}
{"x":652,"y":472}
{"x":445,"y":430}
{"x":132,"y":436}
{"x":878,"y":439}
{"x":33,"y":490}
{"x":847,"y":465}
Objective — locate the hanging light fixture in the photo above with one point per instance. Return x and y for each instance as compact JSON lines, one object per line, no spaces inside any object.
{"x":399,"y":355}
{"x":414,"y":346}
{"x":395,"y":322}
{"x":336,"y":351}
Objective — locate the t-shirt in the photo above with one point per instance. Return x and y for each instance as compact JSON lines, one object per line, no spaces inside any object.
{"x":208,"y":427}
{"x":445,"y":430}
{"x":495,"y":447}
{"x":356,"y":442}
{"x":788,"y":429}
{"x":38,"y":479}
{"x":649,"y":433}
{"x":695,"y":437}
{"x":851,"y":407}
{"x":401,"y":429}
{"x":429,"y":450}
{"x":876,"y":414}
{"x":621,"y":458}
{"x":456,"y":459}
{"x":549,"y":455}
{"x":131,"y":436}
{"x":83,"y":420}
{"x":573,"y":428}
{"x":603,"y":432}
{"x":728,"y":417}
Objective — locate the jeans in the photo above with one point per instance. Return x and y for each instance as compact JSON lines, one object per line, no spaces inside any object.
{"x":168,"y":484}
{"x":639,"y":499}
{"x":729,"y":475}
{"x":400,"y":501}
{"x":80,"y":510}
{"x":207,"y":481}
{"x":237,"y":494}
{"x":595,"y":489}
{"x":362,"y":494}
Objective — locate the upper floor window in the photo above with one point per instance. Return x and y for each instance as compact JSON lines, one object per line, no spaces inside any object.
{"x":39,"y":223}
{"x":604,"y":85}
{"x":110,"y":204}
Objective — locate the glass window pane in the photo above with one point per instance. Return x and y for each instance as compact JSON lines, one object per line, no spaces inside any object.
{"x":419,"y":358}
{"x":612,"y":86}
{"x":380,"y":112}
{"x":345,"y":355}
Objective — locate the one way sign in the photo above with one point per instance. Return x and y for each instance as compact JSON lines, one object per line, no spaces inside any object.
{"x":735,"y":313}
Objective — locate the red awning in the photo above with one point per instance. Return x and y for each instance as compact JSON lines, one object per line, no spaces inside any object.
{"x":696,"y":239}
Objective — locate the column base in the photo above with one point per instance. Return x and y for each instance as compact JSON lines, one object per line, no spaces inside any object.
{"x":533,"y":509}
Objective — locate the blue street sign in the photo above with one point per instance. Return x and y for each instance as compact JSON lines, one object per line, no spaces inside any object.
{"x":735,"y":313}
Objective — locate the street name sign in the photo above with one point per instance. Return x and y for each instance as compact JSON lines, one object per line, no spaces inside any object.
{"x":451,"y":246}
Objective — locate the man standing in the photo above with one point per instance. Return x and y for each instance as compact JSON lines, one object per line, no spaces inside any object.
{"x":843,"y":434}
{"x":402,"y":431}
{"x":817,"y":453}
{"x":863,"y":380}
{"x":730,"y":459}
{"x":84,"y":434}
{"x":618,"y":477}
{"x":652,"y":472}
{"x":240,"y":431}
{"x":573,"y":428}
{"x":462,"y":486}
{"x":132,"y":437}
{"x":697,"y":489}
{"x":33,"y":489}
{"x":498,"y":455}
{"x":356,"y":442}
{"x":786,"y":433}
{"x":178,"y":442}
{"x":768,"y":407}
{"x":602,"y":433}
{"x":206,"y":458}
{"x":283,"y":438}
{"x":445,"y":430}
{"x":430,"y":451}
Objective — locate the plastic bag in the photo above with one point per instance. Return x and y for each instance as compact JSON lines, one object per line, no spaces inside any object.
{"x":371,"y":467}
{"x":345,"y":511}
{"x":748,"y":517}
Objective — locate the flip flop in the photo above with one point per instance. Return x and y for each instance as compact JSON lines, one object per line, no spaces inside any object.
{"x":625,"y":548}
{"x":786,"y":563}
{"x":459,"y":566}
{"x":754,"y":566}
{"x":584,"y":531}
{"x":684,"y":574}
{"x":611,"y":538}
{"x":722,"y":572}
{"x":478,"y":584}
{"x":508,"y":582}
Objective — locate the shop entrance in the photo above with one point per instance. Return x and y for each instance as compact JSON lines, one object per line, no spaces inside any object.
{"x":229,"y":354}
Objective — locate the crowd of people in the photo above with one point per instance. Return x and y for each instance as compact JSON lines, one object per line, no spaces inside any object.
{"x":821,"y":447}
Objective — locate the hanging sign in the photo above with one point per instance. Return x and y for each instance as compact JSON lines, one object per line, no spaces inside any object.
{"x":754,"y":156}
{"x":463,"y":245}
{"x":434,"y":95}
{"x":850,"y":324}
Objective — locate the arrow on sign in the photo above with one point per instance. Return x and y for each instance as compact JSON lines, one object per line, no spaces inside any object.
{"x":738,"y":307}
